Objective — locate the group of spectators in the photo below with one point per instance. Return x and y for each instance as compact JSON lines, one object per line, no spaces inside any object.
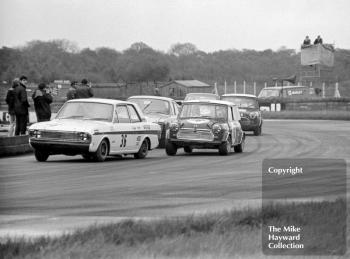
{"x":18,"y":105}
{"x":307,"y":41}
{"x":77,"y":91}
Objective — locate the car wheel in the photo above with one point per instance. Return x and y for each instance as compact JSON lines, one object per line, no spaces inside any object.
{"x":41,"y":156}
{"x":143,"y":151}
{"x":257,"y":131}
{"x":188,"y":149}
{"x":170,"y":148}
{"x":239,"y":148}
{"x":225,"y":147}
{"x":102,"y":151}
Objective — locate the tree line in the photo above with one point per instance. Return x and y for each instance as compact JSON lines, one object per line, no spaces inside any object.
{"x":46,"y":61}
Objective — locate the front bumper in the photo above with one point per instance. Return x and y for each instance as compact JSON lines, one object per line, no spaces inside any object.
{"x":250,"y":124}
{"x":59,"y":147}
{"x":196,"y":143}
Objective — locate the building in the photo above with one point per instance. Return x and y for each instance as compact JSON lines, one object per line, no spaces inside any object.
{"x":178,"y":89}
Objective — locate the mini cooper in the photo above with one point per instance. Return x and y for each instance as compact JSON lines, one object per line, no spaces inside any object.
{"x":95,"y":129}
{"x":211,"y":124}
{"x":251,"y":119}
{"x":157,"y":109}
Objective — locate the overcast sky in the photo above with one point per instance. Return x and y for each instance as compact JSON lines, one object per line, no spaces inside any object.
{"x":209,"y":24}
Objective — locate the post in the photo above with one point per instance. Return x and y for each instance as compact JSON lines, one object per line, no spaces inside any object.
{"x":265,"y":85}
{"x":244,"y":87}
{"x":323,"y":90}
{"x":235,"y":87}
{"x":336,"y":92}
{"x":311,"y":84}
{"x":225,"y":86}
{"x":255,"y":88}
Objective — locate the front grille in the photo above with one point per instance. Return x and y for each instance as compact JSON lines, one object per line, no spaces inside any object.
{"x":57,"y":135}
{"x":190,"y":134}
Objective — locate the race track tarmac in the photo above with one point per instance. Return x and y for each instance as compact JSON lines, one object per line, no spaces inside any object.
{"x":67,"y":192}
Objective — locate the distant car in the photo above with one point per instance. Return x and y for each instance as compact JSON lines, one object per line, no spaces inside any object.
{"x":212,"y":124}
{"x":201,"y":96}
{"x":157,"y":109}
{"x":95,"y":128}
{"x":251,"y":119}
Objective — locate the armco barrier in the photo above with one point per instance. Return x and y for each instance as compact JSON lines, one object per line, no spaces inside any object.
{"x":14,"y":145}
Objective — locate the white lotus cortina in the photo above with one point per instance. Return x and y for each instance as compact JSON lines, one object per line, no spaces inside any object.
{"x":95,"y":128}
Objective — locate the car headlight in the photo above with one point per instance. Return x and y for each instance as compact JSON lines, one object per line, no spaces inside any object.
{"x":84,"y":136}
{"x":216,"y":129}
{"x":253,"y":115}
{"x":174,"y":126}
{"x":35,"y":133}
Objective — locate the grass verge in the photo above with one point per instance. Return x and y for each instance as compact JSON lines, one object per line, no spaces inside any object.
{"x":308,"y":115}
{"x":228,"y":234}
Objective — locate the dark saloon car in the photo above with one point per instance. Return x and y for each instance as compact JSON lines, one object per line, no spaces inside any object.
{"x":157,"y":109}
{"x":251,"y":119}
{"x":207,"y":124}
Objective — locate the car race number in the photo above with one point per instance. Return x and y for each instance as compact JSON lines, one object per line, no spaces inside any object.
{"x":123,"y":142}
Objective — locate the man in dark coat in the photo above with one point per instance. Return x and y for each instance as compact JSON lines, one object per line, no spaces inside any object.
{"x":21,"y":107}
{"x":83,"y":90}
{"x":318,"y":40}
{"x":307,"y":41}
{"x":10,"y":100}
{"x":42,"y":101}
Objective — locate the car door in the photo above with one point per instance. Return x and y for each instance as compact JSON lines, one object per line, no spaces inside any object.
{"x":121,"y":127}
{"x":136,"y":127}
{"x":231,"y":124}
{"x":238,"y":133}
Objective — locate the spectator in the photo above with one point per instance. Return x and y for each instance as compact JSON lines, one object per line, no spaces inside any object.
{"x":42,"y":99}
{"x":10,"y":100}
{"x":307,"y":41}
{"x":21,"y":107}
{"x":84,"y":90}
{"x":72,"y":92}
{"x":318,"y":40}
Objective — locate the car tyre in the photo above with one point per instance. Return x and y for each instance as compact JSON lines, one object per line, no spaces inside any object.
{"x":240,"y":147}
{"x":257,"y":131}
{"x":225,"y":147}
{"x":170,"y":148}
{"x":143,"y":151}
{"x":188,"y":149}
{"x":102,"y":151}
{"x":41,"y":156}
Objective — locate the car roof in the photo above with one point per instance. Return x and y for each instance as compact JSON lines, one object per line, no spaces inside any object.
{"x":98,"y":100}
{"x":211,"y":102}
{"x":239,"y":95}
{"x":151,"y":97}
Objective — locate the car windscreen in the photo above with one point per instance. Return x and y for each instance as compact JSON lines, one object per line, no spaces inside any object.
{"x":200,"y":110}
{"x":265,"y":93}
{"x":148,"y":105}
{"x":86,"y":111}
{"x":242,"y":102}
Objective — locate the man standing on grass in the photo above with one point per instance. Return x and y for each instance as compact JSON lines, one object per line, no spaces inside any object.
{"x":84,"y":90}
{"x":72,"y":92}
{"x":21,"y":107}
{"x":10,"y":100}
{"x":42,"y":99}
